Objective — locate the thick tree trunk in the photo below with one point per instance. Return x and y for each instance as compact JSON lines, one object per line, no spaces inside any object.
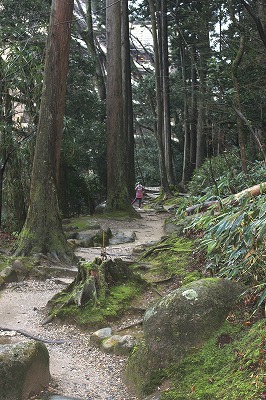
{"x":117,"y":192}
{"x":127,"y":100}
{"x":42,"y":232}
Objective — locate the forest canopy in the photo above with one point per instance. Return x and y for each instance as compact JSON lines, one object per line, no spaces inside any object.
{"x":192,"y":88}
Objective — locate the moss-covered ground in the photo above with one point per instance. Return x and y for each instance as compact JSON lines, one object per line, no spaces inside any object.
{"x":230,"y":366}
{"x":108,"y":307}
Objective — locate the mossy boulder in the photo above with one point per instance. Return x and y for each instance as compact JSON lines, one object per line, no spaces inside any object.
{"x":24,"y":370}
{"x":178,"y":324}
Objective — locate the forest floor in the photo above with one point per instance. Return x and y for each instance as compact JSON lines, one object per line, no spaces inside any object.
{"x":78,"y":370}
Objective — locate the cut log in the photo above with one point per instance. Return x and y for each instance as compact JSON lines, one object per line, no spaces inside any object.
{"x":197,"y":208}
{"x":252,"y":191}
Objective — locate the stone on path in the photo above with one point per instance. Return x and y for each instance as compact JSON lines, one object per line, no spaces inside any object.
{"x":24,"y":370}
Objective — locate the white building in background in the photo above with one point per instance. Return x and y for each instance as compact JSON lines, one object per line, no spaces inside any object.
{"x":141,"y":46}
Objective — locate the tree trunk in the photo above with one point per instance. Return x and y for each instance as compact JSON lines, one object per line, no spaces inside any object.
{"x":204,"y":52}
{"x":42,"y":232}
{"x":88,"y":37}
{"x":6,"y":113}
{"x":159,"y":106}
{"x":165,"y":95}
{"x":117,"y":192}
{"x":16,"y":207}
{"x":186,"y":152}
{"x":127,"y":100}
{"x":193,"y":113}
{"x":240,"y":125}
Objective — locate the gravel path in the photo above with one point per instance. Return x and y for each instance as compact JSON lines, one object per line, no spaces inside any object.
{"x":77,"y":369}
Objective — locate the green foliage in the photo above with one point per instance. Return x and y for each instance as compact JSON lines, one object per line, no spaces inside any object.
{"x":222,"y":176}
{"x":84,"y":140}
{"x":234,"y":241}
{"x":233,"y":237}
{"x":230,"y":366}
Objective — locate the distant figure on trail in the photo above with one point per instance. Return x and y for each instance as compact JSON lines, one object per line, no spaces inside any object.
{"x":139,"y":189}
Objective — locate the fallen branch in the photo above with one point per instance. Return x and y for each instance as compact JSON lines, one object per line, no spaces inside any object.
{"x":29,"y":335}
{"x":154,"y":249}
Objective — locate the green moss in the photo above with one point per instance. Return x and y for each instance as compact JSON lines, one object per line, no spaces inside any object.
{"x":232,"y":370}
{"x":108,"y":307}
{"x":140,"y":376}
{"x":170,"y":258}
{"x":7,"y":261}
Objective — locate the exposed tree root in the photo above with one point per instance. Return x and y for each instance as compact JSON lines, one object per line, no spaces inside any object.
{"x":24,"y":333}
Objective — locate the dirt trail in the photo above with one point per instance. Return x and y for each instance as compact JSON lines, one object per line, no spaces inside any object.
{"x":77,"y":369}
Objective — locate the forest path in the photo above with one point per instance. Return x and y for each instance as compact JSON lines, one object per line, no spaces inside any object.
{"x":78,"y":370}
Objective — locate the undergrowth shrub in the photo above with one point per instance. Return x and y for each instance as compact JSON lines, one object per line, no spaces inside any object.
{"x":234,"y":241}
{"x":234,"y":237}
{"x":222,"y":176}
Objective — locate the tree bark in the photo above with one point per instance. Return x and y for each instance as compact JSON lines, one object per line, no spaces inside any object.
{"x":117,"y":192}
{"x":204,"y":52}
{"x":165,"y":95}
{"x":159,"y":105}
{"x":127,"y":99}
{"x":186,"y":148}
{"x":193,"y":112}
{"x":42,"y":232}
{"x":240,"y":125}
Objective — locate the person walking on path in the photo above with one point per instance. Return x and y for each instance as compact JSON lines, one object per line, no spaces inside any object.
{"x":139,"y":189}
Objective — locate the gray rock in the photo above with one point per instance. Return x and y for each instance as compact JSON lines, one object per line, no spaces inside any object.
{"x":97,"y":337}
{"x":9,"y":275}
{"x":124,"y":346}
{"x":71,"y":235}
{"x":20,"y":270}
{"x":109,"y":344}
{"x":188,"y":316}
{"x":87,"y":238}
{"x":122,"y":237}
{"x":178,"y":324}
{"x":24,"y":370}
{"x":119,"y":345}
{"x":99,"y":209}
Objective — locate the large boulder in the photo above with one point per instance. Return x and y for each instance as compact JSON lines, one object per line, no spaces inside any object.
{"x":178,"y":324}
{"x":24,"y":370}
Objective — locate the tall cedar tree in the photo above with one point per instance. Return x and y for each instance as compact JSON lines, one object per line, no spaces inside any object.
{"x":42,"y":232}
{"x":159,"y":101}
{"x":117,"y":188}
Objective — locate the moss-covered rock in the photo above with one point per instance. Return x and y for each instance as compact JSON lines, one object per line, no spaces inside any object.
{"x":178,"y":324}
{"x":24,"y":370}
